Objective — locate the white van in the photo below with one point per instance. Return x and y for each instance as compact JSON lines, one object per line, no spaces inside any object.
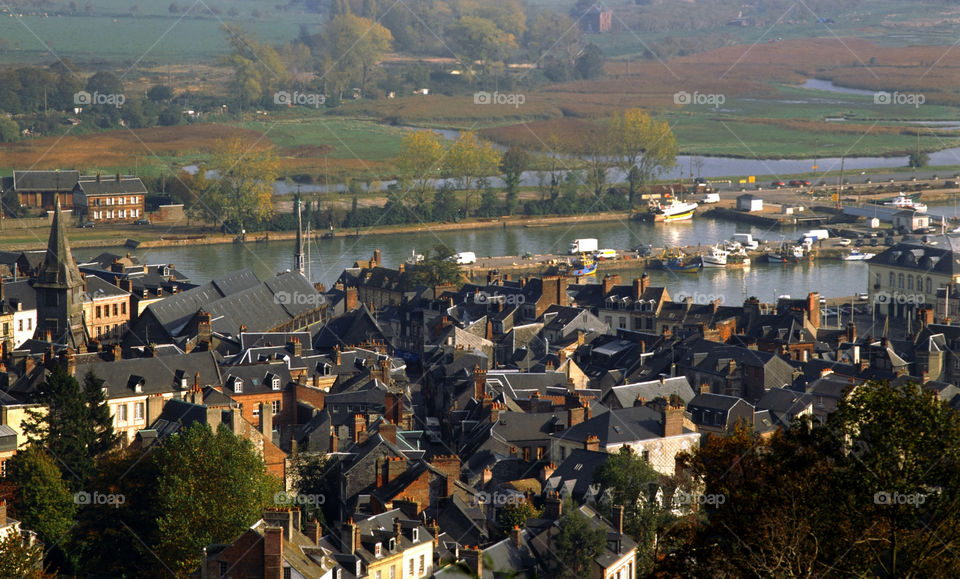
{"x":605,"y":254}
{"x":465,"y":258}
{"x":746,"y":240}
{"x":711,"y":198}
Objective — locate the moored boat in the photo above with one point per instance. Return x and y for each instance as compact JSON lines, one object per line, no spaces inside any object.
{"x":675,"y":211}
{"x":584,"y":266}
{"x":716,"y":257}
{"x":857,"y":255}
{"x":901,"y":201}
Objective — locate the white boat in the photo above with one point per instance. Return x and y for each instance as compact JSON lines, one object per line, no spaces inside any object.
{"x":675,"y":211}
{"x":717,"y":257}
{"x":857,"y":255}
{"x":414,"y":258}
{"x":901,"y":201}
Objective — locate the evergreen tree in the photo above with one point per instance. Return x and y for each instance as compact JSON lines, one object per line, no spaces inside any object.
{"x":19,"y":558}
{"x":578,"y":543}
{"x":44,"y":503}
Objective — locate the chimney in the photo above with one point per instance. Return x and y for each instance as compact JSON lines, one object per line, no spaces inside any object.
{"x":673,"y":420}
{"x":487,"y":475}
{"x":336,"y":355}
{"x":334,"y":440}
{"x":488,"y":334}
{"x":204,"y":326}
{"x":388,"y":431}
{"x":925,"y":315}
{"x":473,"y":558}
{"x":313,"y":530}
{"x":449,"y":465}
{"x":295,"y":347}
{"x":272,"y":553}
{"x":155,"y":407}
{"x":704,"y":388}
{"x":495,"y":409}
{"x":376,"y":258}
{"x":609,"y":281}
{"x":618,"y":519}
{"x":575,"y":416}
{"x":3,"y":513}
{"x":813,"y":308}
{"x":351,"y":299}
{"x":69,"y":358}
{"x":479,"y":382}
{"x":28,"y":364}
{"x":552,"y":506}
{"x":359,"y":428}
{"x":592,"y":443}
{"x":409,"y":507}
{"x":516,"y":536}
{"x":117,"y":352}
{"x":2,"y":294}
{"x":562,"y":284}
{"x":393,"y":467}
{"x":266,"y":420}
{"x":546,"y":471}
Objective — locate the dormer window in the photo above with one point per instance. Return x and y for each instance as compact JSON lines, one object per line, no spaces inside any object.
{"x":415,"y":534}
{"x":237,"y":385}
{"x":327,"y":369}
{"x":378,"y":550}
{"x":393,"y":544}
{"x":275,"y":382}
{"x":183,"y":382}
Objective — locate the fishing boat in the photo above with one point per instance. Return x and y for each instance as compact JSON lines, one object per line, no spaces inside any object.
{"x":414,"y":258}
{"x":857,"y":255}
{"x":716,"y":257}
{"x":675,"y":211}
{"x":584,"y":266}
{"x":786,"y":255}
{"x":684,"y":264}
{"x":901,"y":201}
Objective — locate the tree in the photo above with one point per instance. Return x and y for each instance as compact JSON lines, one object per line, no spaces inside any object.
{"x":77,"y":426}
{"x":515,"y":515}
{"x":513,"y":163}
{"x":480,"y":39}
{"x":552,"y":33}
{"x":437,"y":269}
{"x":244,"y":190}
{"x":105,"y":83}
{"x":919,"y":159}
{"x":578,"y":543}
{"x":194,"y":468}
{"x":258,"y":70}
{"x":9,"y":130}
{"x":312,"y":483}
{"x":354,"y":46}
{"x":420,"y":159}
{"x":590,"y":62}
{"x":44,"y":503}
{"x":444,"y":204}
{"x":469,"y":160}
{"x":19,"y":557}
{"x":638,"y":142}
{"x":159,"y":93}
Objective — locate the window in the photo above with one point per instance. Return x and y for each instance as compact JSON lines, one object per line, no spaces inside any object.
{"x":20,"y":326}
{"x":138,"y":411}
{"x":393,"y":572}
{"x":275,"y":382}
{"x":123,"y":308}
{"x":415,"y":534}
{"x":237,"y":385}
{"x":893,"y":279}
{"x":909,"y":282}
{"x":223,"y":568}
{"x":900,"y":281}
{"x":411,"y":567}
{"x":116,"y":309}
{"x":287,"y":573}
{"x":98,"y":312}
{"x":256,"y":411}
{"x":379,"y":574}
{"x":422,"y":567}
{"x":276,"y":407}
{"x":29,"y":323}
{"x":540,"y":450}
{"x":929,"y":285}
{"x":378,"y":551}
{"x":122,"y":412}
{"x":99,"y":332}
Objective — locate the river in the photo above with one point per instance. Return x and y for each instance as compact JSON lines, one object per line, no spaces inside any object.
{"x":329,"y":257}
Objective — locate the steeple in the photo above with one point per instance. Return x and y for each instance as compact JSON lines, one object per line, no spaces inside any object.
{"x":60,"y":288}
{"x":298,"y":261}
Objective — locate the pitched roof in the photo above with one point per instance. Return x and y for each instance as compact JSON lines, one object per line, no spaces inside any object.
{"x":58,"y":268}
{"x":118,"y":185}
{"x":153,"y":375}
{"x":622,"y":425}
{"x":45,"y":180}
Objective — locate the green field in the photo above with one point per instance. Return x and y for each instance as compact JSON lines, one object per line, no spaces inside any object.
{"x":349,"y":138}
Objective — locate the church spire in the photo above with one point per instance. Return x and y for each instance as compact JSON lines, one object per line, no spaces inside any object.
{"x":60,"y":288}
{"x":298,"y":260}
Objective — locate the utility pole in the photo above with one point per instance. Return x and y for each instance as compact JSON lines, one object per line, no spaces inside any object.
{"x":840,"y":182}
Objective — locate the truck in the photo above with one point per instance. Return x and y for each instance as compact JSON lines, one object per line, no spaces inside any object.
{"x":816,"y":234}
{"x":746,"y":240}
{"x":465,"y":258}
{"x":584,"y":245}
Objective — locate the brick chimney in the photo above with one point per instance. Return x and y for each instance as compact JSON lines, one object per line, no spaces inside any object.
{"x":705,"y":388}
{"x":673,"y":420}
{"x":516,"y":536}
{"x":393,"y":407}
{"x":925,"y":315}
{"x":618,"y":518}
{"x":388,"y":431}
{"x":204,"y":326}
{"x":376,"y":258}
{"x":351,"y":299}
{"x":359,"y":428}
{"x":334,"y":440}
{"x":813,"y":308}
{"x":640,"y":285}
{"x":575,"y":416}
{"x":393,"y":467}
{"x":313,"y":530}
{"x":479,"y":382}
{"x":3,"y":513}
{"x":449,"y":465}
{"x":295,"y":347}
{"x":552,"y":506}
{"x":495,"y":409}
{"x":117,"y":352}
{"x":592,"y":443}
{"x":609,"y":281}
{"x":408,"y":506}
{"x":473,"y":559}
{"x":273,"y":553}
{"x":266,"y":420}
{"x":546,"y":471}
{"x":350,"y":537}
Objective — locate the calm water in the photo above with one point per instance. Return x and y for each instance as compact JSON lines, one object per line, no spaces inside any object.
{"x":329,"y":258}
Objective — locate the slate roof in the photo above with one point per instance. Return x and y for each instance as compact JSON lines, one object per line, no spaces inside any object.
{"x":110,"y":185}
{"x":157,"y":375}
{"x":44,"y":180}
{"x":574,"y":476}
{"x":627,"y":394}
{"x":622,"y":425}
{"x":942,"y":258}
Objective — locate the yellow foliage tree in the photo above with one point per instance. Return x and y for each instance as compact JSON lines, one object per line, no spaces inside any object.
{"x":642,"y":147}
{"x":420,"y":159}
{"x":243,"y":191}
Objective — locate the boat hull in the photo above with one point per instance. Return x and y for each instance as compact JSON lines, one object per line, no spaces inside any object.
{"x":685,"y":216}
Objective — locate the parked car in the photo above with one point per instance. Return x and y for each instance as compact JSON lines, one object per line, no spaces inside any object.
{"x":142,"y":222}
{"x":844,"y":242}
{"x":605,"y":254}
{"x":777,"y":183}
{"x":87,"y":225}
{"x":874,"y":242}
{"x":799,"y":183}
{"x":643,"y":250}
